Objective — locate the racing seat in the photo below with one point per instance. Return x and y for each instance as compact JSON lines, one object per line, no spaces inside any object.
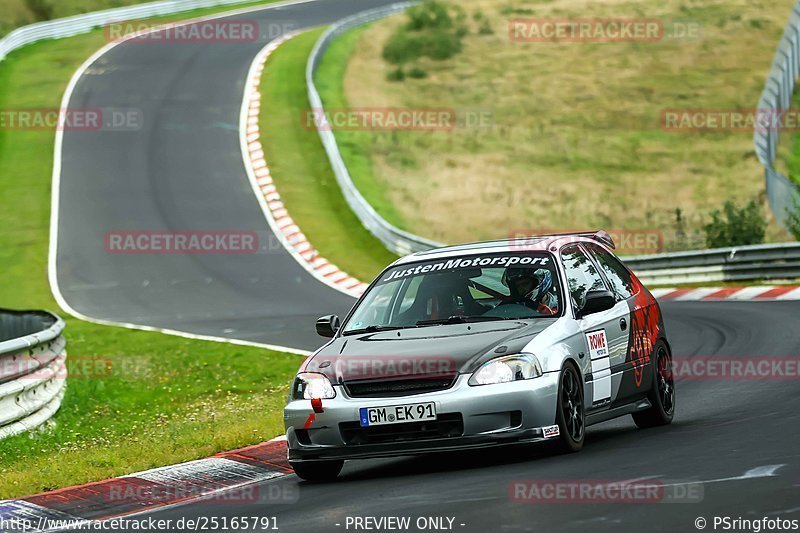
{"x":438,"y":298}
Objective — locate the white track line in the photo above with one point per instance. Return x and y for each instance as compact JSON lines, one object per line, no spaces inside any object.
{"x":54,"y":199}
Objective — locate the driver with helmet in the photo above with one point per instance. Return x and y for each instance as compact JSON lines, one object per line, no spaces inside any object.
{"x":531,"y":289}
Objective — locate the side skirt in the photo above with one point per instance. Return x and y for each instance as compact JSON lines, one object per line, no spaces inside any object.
{"x":622,"y":410}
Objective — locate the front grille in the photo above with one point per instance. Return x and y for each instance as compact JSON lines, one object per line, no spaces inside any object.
{"x":445,"y":426}
{"x":397,"y":387}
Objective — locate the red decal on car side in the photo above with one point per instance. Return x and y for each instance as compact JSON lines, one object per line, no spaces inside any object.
{"x":645,"y":318}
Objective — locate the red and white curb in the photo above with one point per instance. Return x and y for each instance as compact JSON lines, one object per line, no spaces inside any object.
{"x":229,"y":477}
{"x":761,"y":293}
{"x":278,"y":217}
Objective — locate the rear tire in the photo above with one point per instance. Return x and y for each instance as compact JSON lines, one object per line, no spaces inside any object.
{"x":662,"y":392}
{"x":317,"y":470}
{"x":570,"y":412}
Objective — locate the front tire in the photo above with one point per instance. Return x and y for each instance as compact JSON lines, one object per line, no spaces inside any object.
{"x":662,"y":392}
{"x":317,"y":470}
{"x":570,"y":411}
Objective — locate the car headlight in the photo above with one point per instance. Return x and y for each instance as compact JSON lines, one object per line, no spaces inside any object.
{"x":310,"y":386}
{"x":506,"y":369}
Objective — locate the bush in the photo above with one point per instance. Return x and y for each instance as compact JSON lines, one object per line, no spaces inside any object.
{"x":440,"y":45}
{"x":430,"y":14}
{"x":736,"y":226}
{"x":401,"y":47}
{"x":485,"y":28}
{"x":396,"y":74}
{"x":793,"y":220}
{"x":40,"y":9}
{"x":417,"y":73}
{"x":430,"y":32}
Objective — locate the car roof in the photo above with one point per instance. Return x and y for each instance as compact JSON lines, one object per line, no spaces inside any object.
{"x":521,"y":243}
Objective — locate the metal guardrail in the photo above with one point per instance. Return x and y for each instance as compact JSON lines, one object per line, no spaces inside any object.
{"x":782,"y":194}
{"x":33,"y":369}
{"x":75,"y":25}
{"x":396,"y":240}
{"x":742,"y":263}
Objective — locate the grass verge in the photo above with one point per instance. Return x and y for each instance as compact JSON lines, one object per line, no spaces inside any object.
{"x":356,"y":147}
{"x":301,"y":169}
{"x":163,"y":399}
{"x":577,"y":138}
{"x":18,"y":13}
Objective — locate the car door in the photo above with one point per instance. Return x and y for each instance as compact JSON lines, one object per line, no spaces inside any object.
{"x":631,"y":373}
{"x":605,"y":334}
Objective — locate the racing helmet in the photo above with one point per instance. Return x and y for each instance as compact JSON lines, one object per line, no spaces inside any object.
{"x":542,"y":281}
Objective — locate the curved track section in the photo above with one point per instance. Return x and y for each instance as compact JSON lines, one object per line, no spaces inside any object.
{"x":184,"y":171}
{"x":736,"y":439}
{"x":181,"y":171}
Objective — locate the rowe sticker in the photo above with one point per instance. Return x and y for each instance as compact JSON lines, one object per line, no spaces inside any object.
{"x":598,"y":344}
{"x":601,"y":365}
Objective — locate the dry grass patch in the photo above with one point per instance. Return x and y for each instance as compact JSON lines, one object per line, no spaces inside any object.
{"x":577,"y":139}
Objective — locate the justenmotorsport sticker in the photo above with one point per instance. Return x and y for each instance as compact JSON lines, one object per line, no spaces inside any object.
{"x":470,"y":262}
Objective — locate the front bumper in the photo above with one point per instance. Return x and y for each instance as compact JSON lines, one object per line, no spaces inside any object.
{"x":490,"y":415}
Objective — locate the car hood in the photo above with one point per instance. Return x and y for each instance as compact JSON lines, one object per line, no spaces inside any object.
{"x":445,"y":349}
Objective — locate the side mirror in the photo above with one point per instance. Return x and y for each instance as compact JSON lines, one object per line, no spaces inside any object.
{"x":597,"y":301}
{"x":328,"y":325}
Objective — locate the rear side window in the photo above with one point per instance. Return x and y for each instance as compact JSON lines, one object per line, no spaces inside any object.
{"x":582,"y":275}
{"x":615,"y":271}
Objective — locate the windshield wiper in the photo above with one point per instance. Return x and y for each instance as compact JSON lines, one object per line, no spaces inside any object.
{"x":372,"y":329}
{"x":457,"y":319}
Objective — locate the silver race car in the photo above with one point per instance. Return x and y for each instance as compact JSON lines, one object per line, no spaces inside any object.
{"x":479,"y":345}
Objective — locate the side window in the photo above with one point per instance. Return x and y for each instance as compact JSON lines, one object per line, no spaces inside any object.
{"x":582,"y":275}
{"x":617,"y":274}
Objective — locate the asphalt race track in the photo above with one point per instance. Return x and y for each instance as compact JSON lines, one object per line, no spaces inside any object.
{"x":736,"y":440}
{"x":182,"y":171}
{"x":722,"y":430}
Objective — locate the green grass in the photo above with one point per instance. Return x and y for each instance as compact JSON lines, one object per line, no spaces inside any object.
{"x":301,"y":170}
{"x":576,"y":138}
{"x":166,"y":399}
{"x":789,"y":149}
{"x":355,"y":146}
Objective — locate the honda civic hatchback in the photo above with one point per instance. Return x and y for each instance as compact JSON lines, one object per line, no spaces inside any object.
{"x":480,"y":345}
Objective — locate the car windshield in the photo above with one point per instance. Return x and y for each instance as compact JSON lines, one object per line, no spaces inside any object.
{"x":460,"y":289}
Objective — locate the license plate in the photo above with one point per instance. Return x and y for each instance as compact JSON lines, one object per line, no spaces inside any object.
{"x":397,"y":414}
